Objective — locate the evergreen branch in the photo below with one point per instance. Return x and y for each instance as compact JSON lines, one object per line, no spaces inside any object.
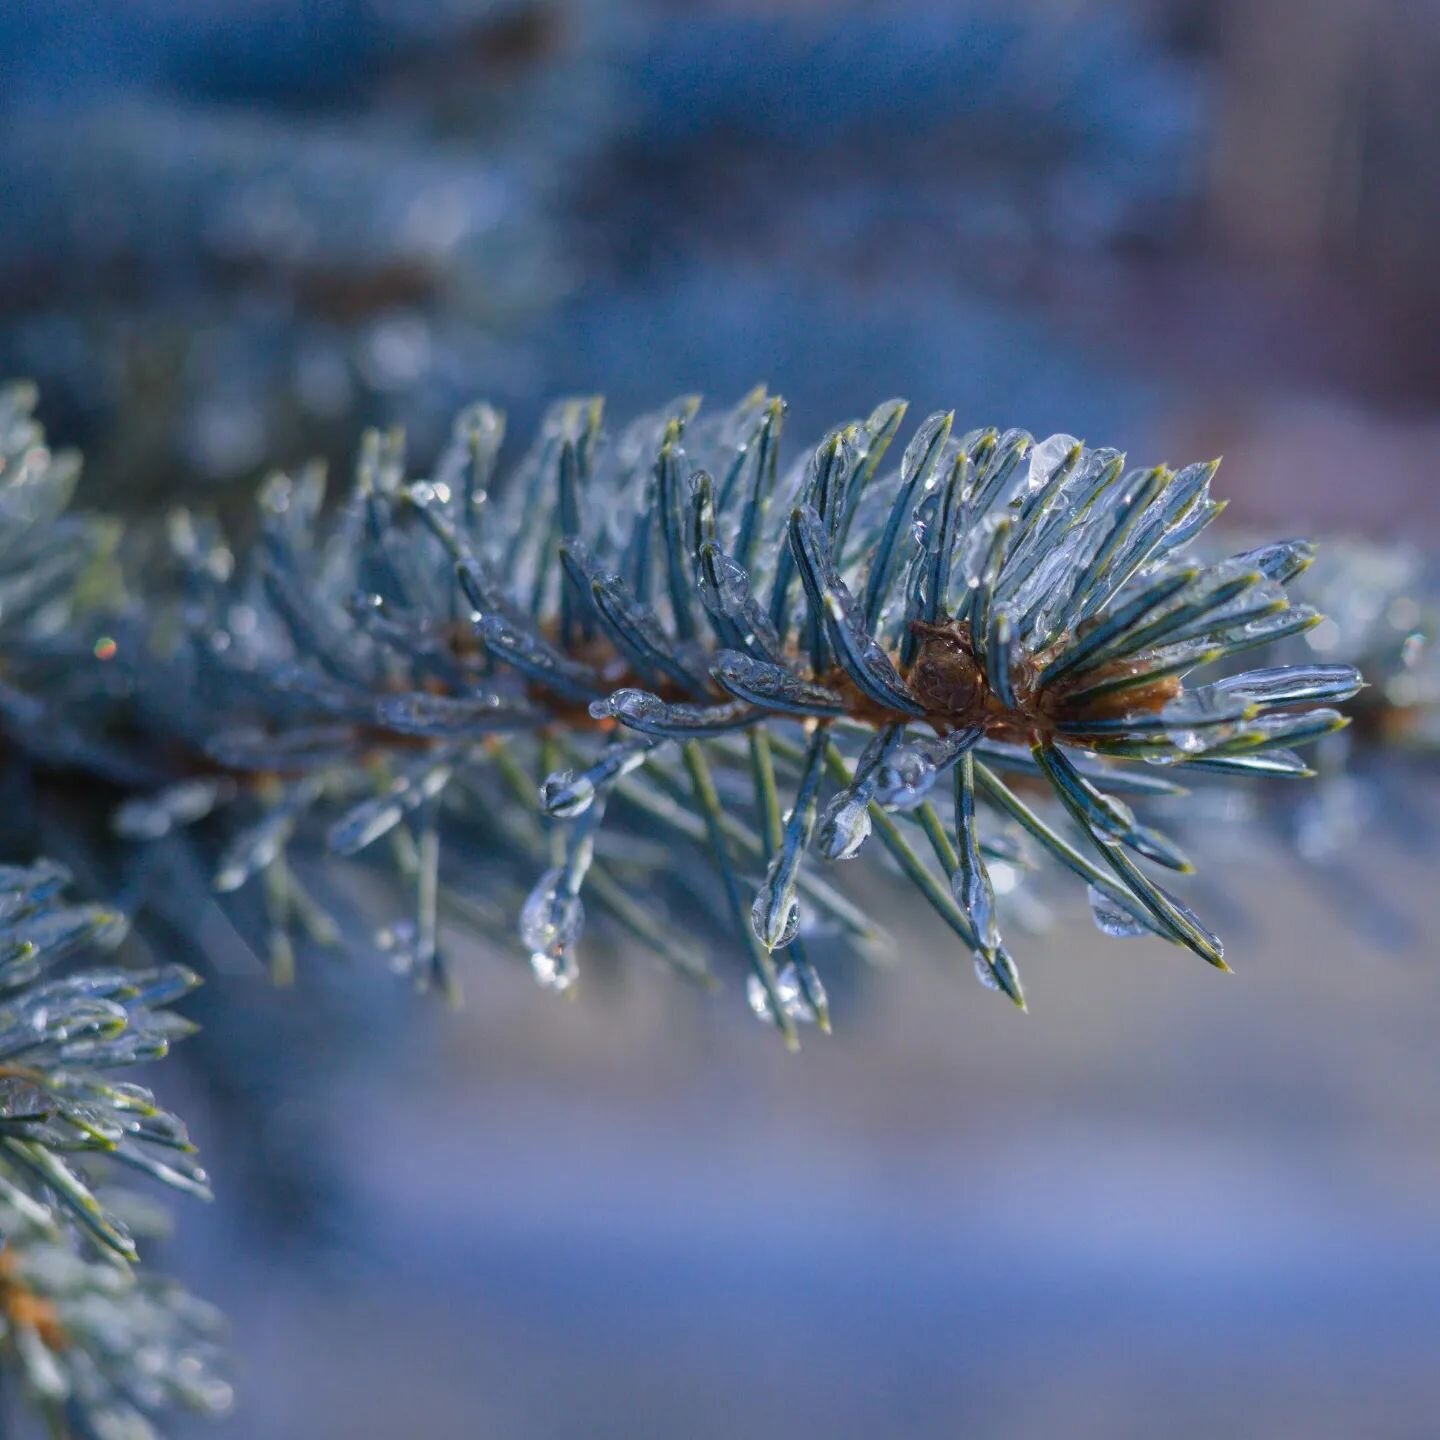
{"x":991,"y":603}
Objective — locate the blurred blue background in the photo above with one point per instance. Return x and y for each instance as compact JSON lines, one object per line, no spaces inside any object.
{"x":1165,"y":1203}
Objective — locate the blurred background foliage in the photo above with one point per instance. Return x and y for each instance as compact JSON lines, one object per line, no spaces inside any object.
{"x":1166,"y":1202}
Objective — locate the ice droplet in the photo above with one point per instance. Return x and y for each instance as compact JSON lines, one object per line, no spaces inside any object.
{"x":727,"y":591}
{"x":790,"y":994}
{"x":1111,"y":918}
{"x":552,"y":972}
{"x":551,"y":919}
{"x":400,"y":942}
{"x":1200,"y":719}
{"x":845,"y":826}
{"x":1046,"y":455}
{"x":906,"y":779}
{"x":771,"y":685}
{"x":984,"y":974}
{"x":776,"y":919}
{"x":148,"y":817}
{"x":628,"y":703}
{"x":975,"y":894}
{"x":566,"y":795}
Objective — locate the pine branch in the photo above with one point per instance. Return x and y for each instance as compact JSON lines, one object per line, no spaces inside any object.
{"x":74,"y":1313}
{"x":693,"y":625}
